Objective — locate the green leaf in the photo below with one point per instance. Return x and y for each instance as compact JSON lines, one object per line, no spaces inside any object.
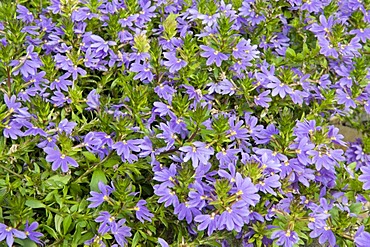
{"x":290,"y":53}
{"x":66,"y":224}
{"x":90,"y":157}
{"x":170,"y":26}
{"x":25,"y":242}
{"x":58,"y":222}
{"x":97,"y":176}
{"x":51,"y":231}
{"x":355,"y":208}
{"x":33,"y":203}
{"x":76,"y":235}
{"x":57,"y":181}
{"x":136,"y":239}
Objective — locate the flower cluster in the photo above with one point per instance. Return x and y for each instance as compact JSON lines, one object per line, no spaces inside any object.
{"x":185,"y":123}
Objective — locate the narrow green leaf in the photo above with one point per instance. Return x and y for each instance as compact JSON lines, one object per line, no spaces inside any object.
{"x":58,"y":222}
{"x":33,"y":203}
{"x":136,"y":239}
{"x":66,"y":224}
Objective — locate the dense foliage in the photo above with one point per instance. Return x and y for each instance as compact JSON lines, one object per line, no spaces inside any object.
{"x":184,"y":123}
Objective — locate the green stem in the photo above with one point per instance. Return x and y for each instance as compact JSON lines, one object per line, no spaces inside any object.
{"x":8,"y":82}
{"x":91,"y":169}
{"x":10,"y":171}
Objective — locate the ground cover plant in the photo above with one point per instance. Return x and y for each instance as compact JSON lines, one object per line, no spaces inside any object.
{"x":184,"y":123}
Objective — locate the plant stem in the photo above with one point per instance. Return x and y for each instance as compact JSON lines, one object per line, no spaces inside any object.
{"x":88,"y":171}
{"x":10,"y":171}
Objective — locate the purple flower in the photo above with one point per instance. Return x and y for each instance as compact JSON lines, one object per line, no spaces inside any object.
{"x":174,"y":63}
{"x":268,"y":76}
{"x":55,"y":6}
{"x":251,"y":125}
{"x":77,"y":70}
{"x":61,"y":61}
{"x":245,"y":51}
{"x":262,"y":99}
{"x":29,"y":64}
{"x":209,"y":20}
{"x":268,"y":183}
{"x":197,"y":196}
{"x":92,"y":142}
{"x":99,"y":198}
{"x":147,"y":12}
{"x":125,"y":148}
{"x":65,"y":126}
{"x":100,"y":44}
{"x":166,"y":195}
{"x":82,"y":14}
{"x":184,"y":211}
{"x":142,"y":212}
{"x":59,"y":99}
{"x":93,"y":100}
{"x":143,"y":71}
{"x":162,"y":242}
{"x":166,"y":176}
{"x":345,"y":99}
{"x":325,"y":233}
{"x":106,"y":220}
{"x":165,"y":91}
{"x":312,"y":6}
{"x":269,"y":164}
{"x":120,"y":232}
{"x":48,"y":142}
{"x":362,"y":238}
{"x":11,"y":103}
{"x":265,"y":135}
{"x":24,"y":14}
{"x":33,"y":130}
{"x":234,"y":217}
{"x":362,"y":34}
{"x":31,"y":233}
{"x":213,"y":55}
{"x":287,"y":238}
{"x":365,"y":177}
{"x":301,"y":149}
{"x":207,"y":221}
{"x":128,"y":21}
{"x":321,"y":159}
{"x":245,"y":189}
{"x":227,"y":156}
{"x":61,"y":83}
{"x":8,"y":233}
{"x":327,"y":49}
{"x":236,"y":130}
{"x":13,"y":130}
{"x":325,"y":27}
{"x":95,"y":240}
{"x":223,"y":87}
{"x":59,"y":160}
{"x":198,"y":152}
{"x":168,"y":134}
{"x":279,"y":88}
{"x":162,"y":109}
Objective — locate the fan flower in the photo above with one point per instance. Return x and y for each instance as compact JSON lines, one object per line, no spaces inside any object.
{"x":99,"y":198}
{"x":59,"y":160}
{"x":8,"y":233}
{"x":142,"y":212}
{"x":213,"y":55}
{"x":198,"y":153}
